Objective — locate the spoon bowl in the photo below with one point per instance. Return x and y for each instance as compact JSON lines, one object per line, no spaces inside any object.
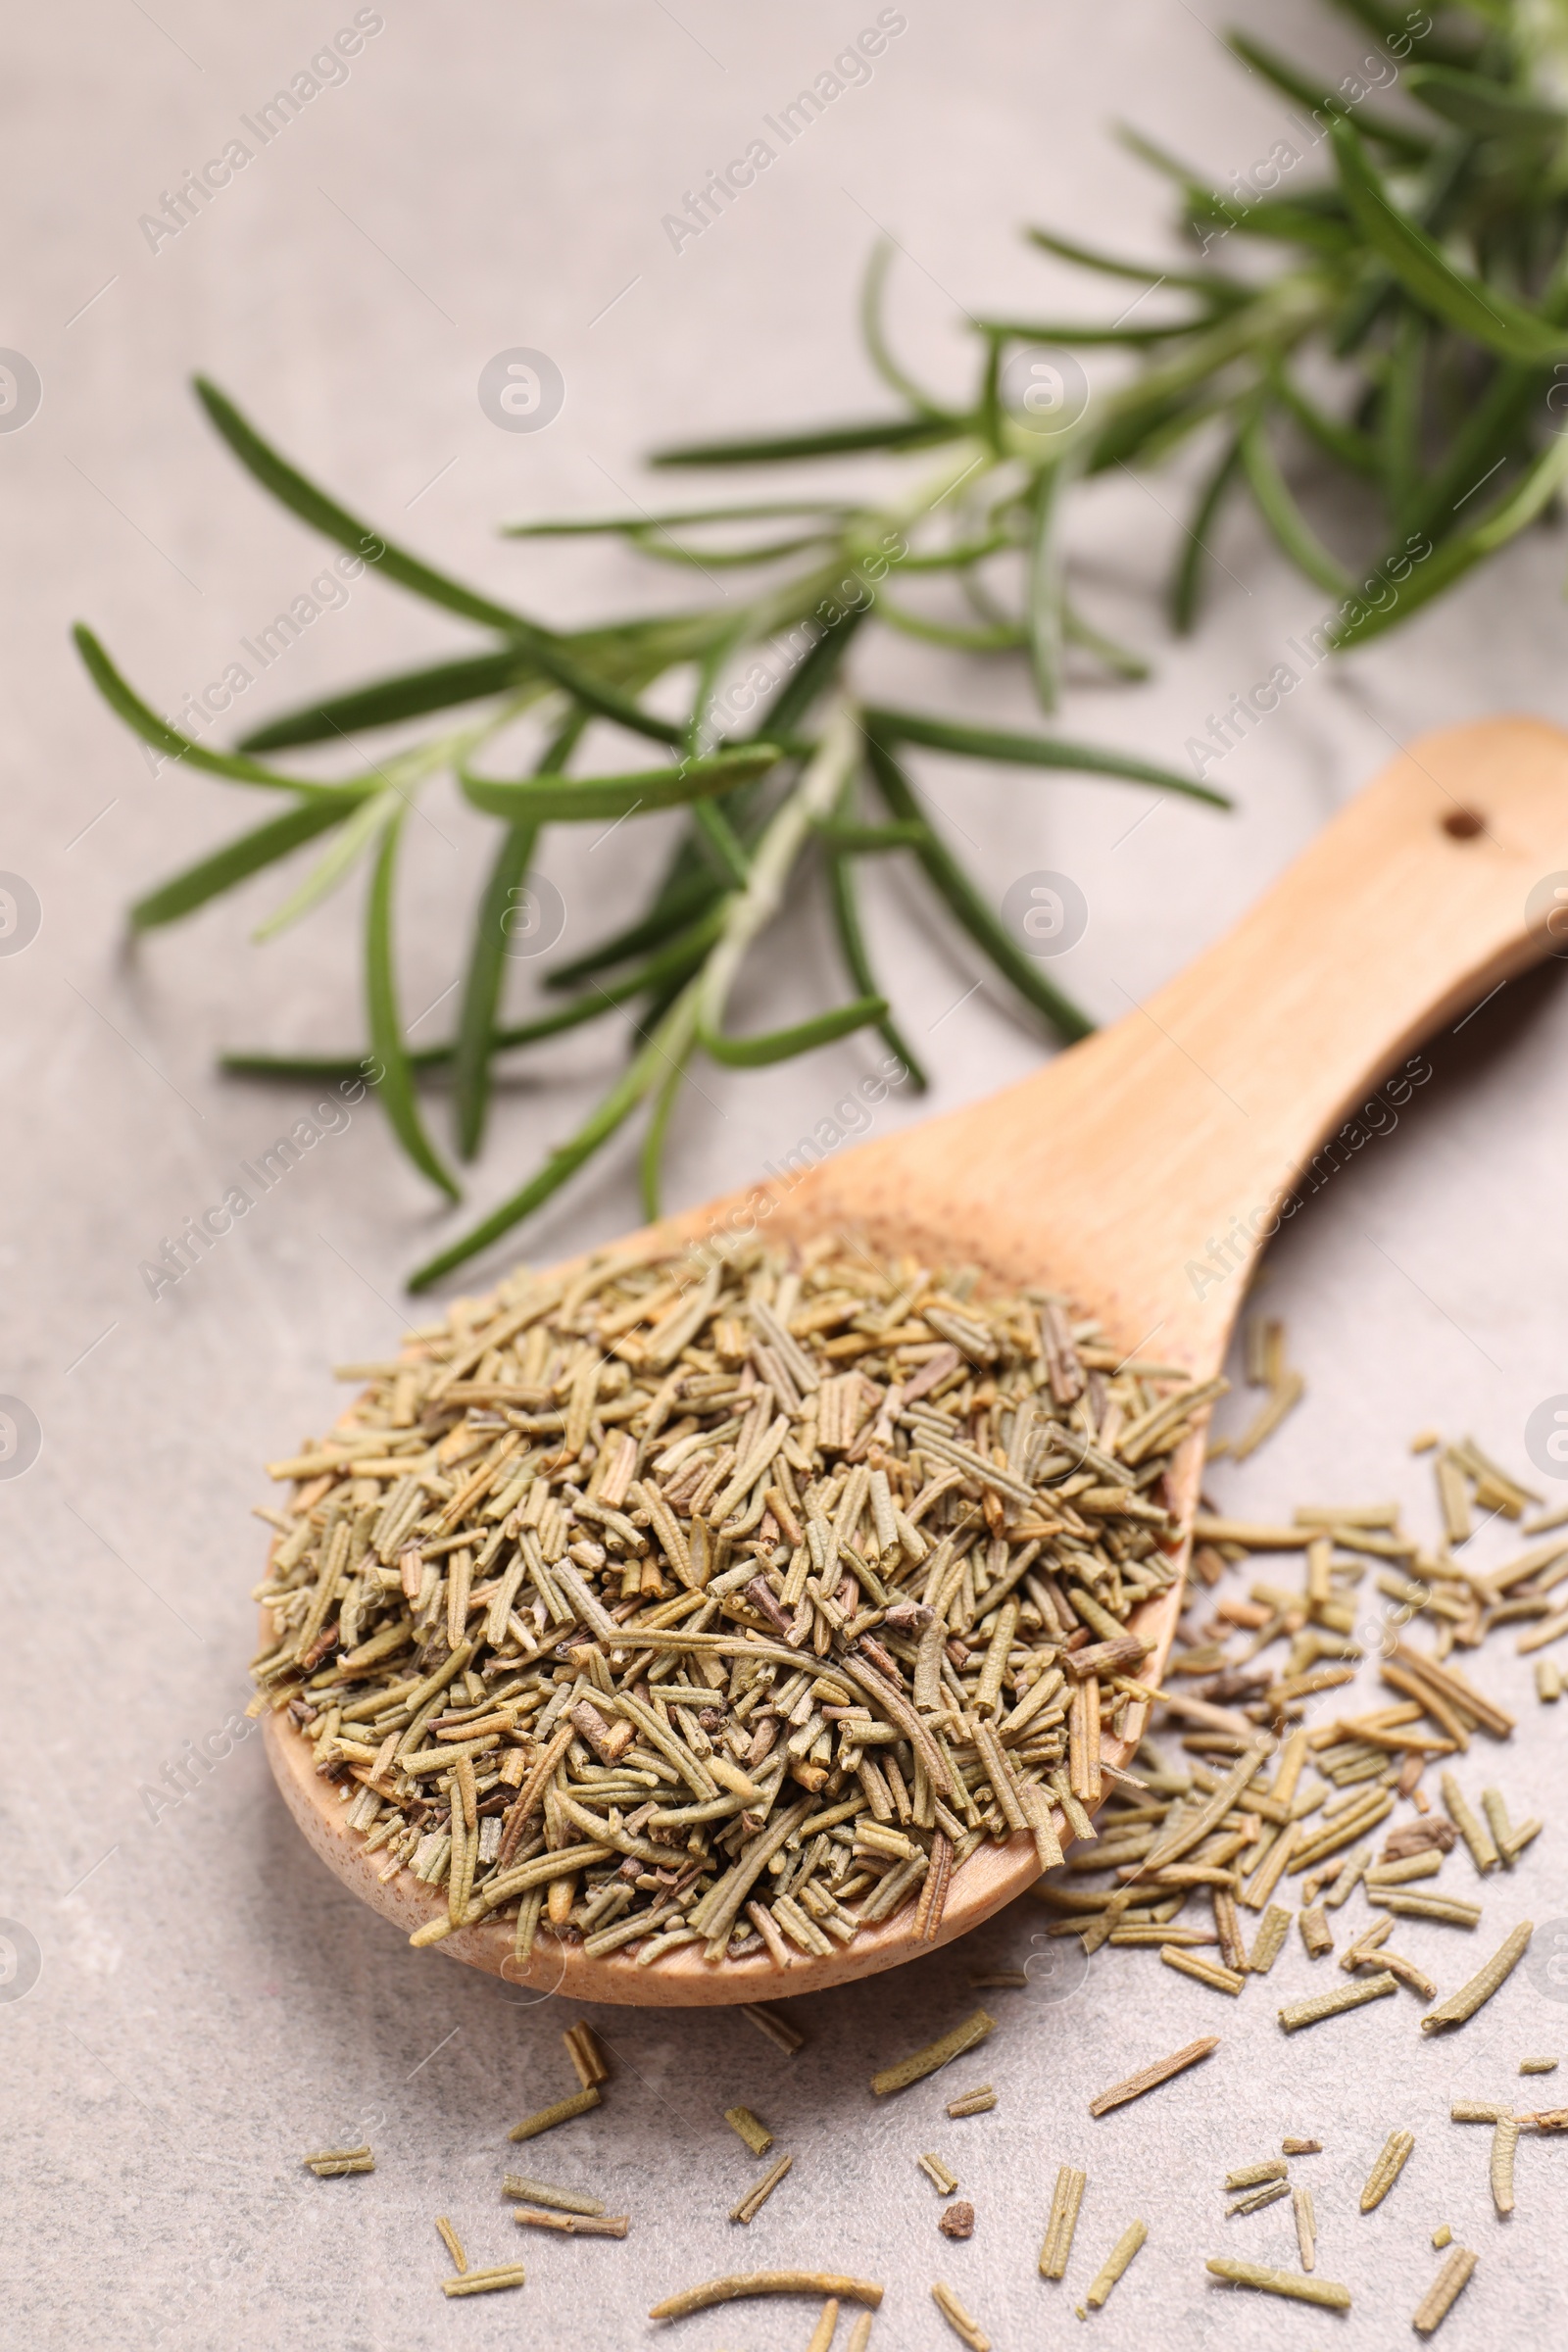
{"x":1139,"y":1173}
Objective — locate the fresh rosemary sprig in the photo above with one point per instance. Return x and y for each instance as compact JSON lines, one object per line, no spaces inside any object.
{"x":762,"y":789}
{"x":1415,"y":345}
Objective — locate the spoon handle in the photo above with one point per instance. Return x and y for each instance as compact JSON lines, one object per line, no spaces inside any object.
{"x":1145,"y":1167}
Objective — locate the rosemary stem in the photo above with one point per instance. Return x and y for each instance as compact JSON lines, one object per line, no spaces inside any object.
{"x":864,"y":540}
{"x":392,"y":787}
{"x":750,"y":910}
{"x":666,"y":1043}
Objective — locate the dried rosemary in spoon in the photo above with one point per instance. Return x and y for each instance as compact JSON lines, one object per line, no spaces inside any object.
{"x":723,"y":1597}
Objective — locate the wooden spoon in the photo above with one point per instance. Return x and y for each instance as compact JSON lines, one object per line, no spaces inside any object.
{"x":1139,"y":1173}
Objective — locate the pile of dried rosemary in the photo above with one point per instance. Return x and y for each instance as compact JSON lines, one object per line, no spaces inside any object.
{"x":1227,"y":1832}
{"x":730,"y":1597}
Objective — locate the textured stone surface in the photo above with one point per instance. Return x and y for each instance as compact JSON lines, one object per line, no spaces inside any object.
{"x":209,"y":2005}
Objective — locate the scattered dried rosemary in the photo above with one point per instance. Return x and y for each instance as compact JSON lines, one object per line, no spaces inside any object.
{"x":1230,"y":1828}
{"x":1297,"y":2014}
{"x":935,"y":2055}
{"x":1254,"y":2175}
{"x":724,"y":1598}
{"x":572,"y":2225}
{"x":565,"y":2111}
{"x":751,"y":2205}
{"x":560,"y":2200}
{"x":777,"y":2029}
{"x":1306,"y":2227}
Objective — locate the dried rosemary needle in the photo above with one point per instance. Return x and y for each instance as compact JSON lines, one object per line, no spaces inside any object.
{"x":1293,"y":2283}
{"x":757,"y":2135}
{"x":1445,"y":2290}
{"x":327,"y":2164}
{"x":542,"y":2192}
{"x":826,"y":2327}
{"x":968,"y":2330}
{"x":1065,"y":2200}
{"x":1297,"y":2014}
{"x":485,"y":2283}
{"x":1389,"y":2165}
{"x":751,"y":2205}
{"x":1116,"y":2263}
{"x":741,"y":2283}
{"x":1151,"y":2077}
{"x":1463,"y":2004}
{"x":936,"y":2054}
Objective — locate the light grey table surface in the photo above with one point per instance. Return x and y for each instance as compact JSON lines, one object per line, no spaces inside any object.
{"x":208,"y":2003}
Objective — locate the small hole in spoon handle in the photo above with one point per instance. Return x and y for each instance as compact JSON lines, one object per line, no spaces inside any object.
{"x":1463,"y":824}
